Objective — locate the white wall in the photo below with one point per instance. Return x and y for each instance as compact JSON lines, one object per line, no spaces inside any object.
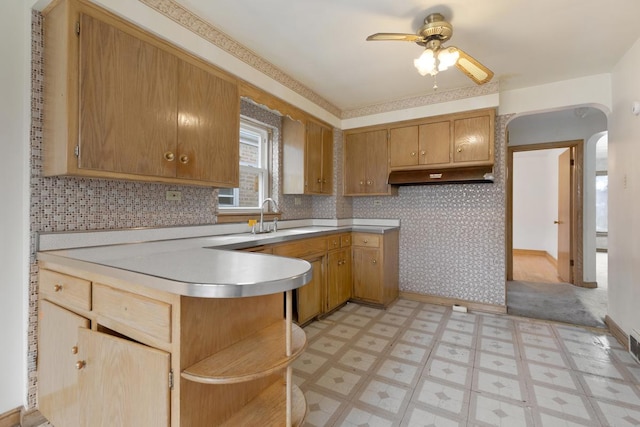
{"x":624,"y":194}
{"x":535,"y":200}
{"x":15,"y":77}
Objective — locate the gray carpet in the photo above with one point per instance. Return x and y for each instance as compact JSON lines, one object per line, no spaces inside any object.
{"x":561,"y":302}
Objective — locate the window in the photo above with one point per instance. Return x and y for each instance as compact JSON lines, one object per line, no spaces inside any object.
{"x":255,"y":142}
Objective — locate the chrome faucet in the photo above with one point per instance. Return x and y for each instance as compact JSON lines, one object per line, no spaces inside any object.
{"x":261,"y":225}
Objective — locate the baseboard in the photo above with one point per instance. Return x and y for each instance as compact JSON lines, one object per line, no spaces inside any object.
{"x":535,"y":252}
{"x":32,"y":418}
{"x":617,"y":331}
{"x":471,"y":306}
{"x":10,"y":418}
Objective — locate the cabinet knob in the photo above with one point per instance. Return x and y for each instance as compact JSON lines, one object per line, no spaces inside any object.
{"x":74,"y":349}
{"x":184,"y":159}
{"x":422,"y":153}
{"x":80,"y":364}
{"x":57,"y":288}
{"x":319,"y":181}
{"x":413,"y":154}
{"x":361,"y":182}
{"x":459,"y":150}
{"x":366,"y":241}
{"x":324,"y":181}
{"x":374,"y":261}
{"x":369,"y":182}
{"x":169,"y":156}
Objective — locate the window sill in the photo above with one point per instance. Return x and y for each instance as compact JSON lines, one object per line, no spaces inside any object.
{"x":231,"y":217}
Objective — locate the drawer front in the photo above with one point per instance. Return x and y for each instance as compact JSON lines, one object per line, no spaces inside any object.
{"x":68,"y":291}
{"x":146,"y":315}
{"x":333,"y":242}
{"x":302,"y":248}
{"x":345,"y":240}
{"x":366,"y":240}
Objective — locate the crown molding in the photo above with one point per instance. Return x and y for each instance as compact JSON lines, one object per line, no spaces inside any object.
{"x":184,"y":17}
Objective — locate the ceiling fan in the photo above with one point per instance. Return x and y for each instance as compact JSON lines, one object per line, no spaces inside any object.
{"x":437,"y":57}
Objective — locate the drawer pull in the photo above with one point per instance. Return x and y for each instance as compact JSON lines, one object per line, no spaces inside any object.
{"x":366,"y":241}
{"x":169,"y":156}
{"x":74,"y":349}
{"x":374,"y":261}
{"x":80,"y":364}
{"x":57,"y":288}
{"x":184,"y":159}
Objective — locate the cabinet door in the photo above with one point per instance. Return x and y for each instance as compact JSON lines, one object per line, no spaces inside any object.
{"x":338,"y":278}
{"x":377,"y":155}
{"x":309,"y":296}
{"x":122,"y":382}
{"x":208,"y":127}
{"x":435,"y":143}
{"x":327,"y":160}
{"x":367,"y":274}
{"x":57,"y":373}
{"x":355,"y":163}
{"x":403,"y":146}
{"x":128,"y":99}
{"x":313,"y":158}
{"x":472,"y":140}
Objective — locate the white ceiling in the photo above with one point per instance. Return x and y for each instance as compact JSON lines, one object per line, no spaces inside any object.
{"x":321,"y":43}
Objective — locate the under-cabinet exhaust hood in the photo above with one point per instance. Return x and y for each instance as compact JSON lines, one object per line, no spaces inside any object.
{"x":477,"y":174}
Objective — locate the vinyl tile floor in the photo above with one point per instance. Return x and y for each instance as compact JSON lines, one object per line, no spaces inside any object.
{"x":416,"y":364}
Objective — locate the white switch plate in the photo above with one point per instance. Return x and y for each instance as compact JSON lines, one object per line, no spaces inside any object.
{"x":174,"y":195}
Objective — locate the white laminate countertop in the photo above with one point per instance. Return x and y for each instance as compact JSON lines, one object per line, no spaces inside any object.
{"x":206,"y":267}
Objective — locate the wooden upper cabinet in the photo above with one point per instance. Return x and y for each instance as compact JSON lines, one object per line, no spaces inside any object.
{"x":366,"y":159}
{"x":128,"y":102}
{"x":462,"y":139}
{"x":434,"y":143}
{"x":208,"y":127}
{"x":122,"y":104}
{"x":473,"y":139}
{"x":307,"y":157}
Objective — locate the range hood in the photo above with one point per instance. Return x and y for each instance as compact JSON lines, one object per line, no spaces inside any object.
{"x":476,"y":174}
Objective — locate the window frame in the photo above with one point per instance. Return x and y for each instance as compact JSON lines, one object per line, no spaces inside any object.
{"x":265,"y":134}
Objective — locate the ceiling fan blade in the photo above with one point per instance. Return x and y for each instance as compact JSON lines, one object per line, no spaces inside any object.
{"x":403,"y":37}
{"x":473,"y":69}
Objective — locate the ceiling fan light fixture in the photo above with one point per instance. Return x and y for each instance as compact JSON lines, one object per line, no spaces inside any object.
{"x":447,"y":57}
{"x":426,"y":63}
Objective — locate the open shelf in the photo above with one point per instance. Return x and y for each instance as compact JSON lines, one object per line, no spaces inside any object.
{"x":270,"y":408}
{"x":256,"y":356}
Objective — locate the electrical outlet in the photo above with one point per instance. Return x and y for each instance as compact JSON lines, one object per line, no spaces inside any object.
{"x":174,"y":195}
{"x":377,"y":203}
{"x":297,"y":201}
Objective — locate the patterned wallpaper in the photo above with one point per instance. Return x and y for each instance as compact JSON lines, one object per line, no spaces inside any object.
{"x":452,"y":235}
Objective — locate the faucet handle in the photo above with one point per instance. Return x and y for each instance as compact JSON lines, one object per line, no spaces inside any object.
{"x":275,"y":224}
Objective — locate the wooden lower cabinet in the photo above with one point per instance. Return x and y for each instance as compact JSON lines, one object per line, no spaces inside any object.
{"x":131,"y":377}
{"x":57,"y":372}
{"x":118,"y":353}
{"x":339,"y":281}
{"x":309,"y":296}
{"x":375,"y":267}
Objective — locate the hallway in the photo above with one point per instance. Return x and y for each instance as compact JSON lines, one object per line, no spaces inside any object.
{"x":553,"y":300}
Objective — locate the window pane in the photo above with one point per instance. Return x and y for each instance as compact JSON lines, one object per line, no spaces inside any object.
{"x":249,"y":196}
{"x":250,"y":155}
{"x":602,"y":185}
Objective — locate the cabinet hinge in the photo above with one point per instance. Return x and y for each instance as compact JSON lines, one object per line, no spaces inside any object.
{"x":573,"y":162}
{"x":171,"y":379}
{"x":76,"y":151}
{"x":571,"y":263}
{"x":78,"y":27}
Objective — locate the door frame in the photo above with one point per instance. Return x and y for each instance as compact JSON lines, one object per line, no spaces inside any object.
{"x":577,"y":195}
